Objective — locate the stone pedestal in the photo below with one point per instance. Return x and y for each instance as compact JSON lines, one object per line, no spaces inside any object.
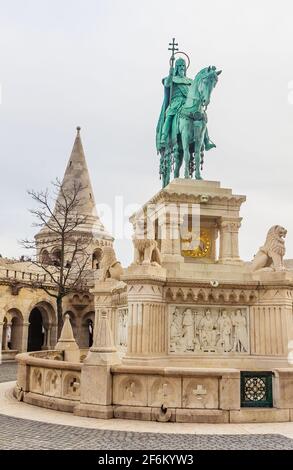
{"x":192,"y":319}
{"x":202,"y":209}
{"x":147,"y":314}
{"x":96,"y":379}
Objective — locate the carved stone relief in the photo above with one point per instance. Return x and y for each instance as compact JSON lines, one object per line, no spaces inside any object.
{"x":36,"y":380}
{"x":71,"y":386}
{"x":202,"y":329}
{"x":130,"y":390}
{"x":53,"y":383}
{"x":122,"y":329}
{"x":200,"y":392}
{"x":163,"y":391}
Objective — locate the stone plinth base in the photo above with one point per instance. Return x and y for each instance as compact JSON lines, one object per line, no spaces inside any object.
{"x":260,"y":415}
{"x":94,"y":411}
{"x":51,"y":403}
{"x":144,"y":271}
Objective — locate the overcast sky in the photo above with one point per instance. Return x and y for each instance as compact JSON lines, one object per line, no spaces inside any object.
{"x":99,"y":64}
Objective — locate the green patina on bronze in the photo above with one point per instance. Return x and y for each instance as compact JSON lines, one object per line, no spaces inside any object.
{"x":181,"y":132}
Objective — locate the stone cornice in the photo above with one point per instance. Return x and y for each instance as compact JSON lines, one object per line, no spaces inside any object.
{"x":175,"y":197}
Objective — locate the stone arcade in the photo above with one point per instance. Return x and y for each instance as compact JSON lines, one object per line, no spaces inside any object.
{"x":28,"y":319}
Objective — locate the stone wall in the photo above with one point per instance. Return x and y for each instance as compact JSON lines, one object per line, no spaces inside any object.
{"x":181,"y":394}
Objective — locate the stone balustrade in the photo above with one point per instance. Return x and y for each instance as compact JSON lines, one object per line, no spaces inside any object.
{"x":45,"y":379}
{"x":156,"y":393}
{"x":32,"y":276}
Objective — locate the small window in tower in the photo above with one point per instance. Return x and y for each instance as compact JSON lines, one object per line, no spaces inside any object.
{"x":70,"y":163}
{"x":90,"y":195}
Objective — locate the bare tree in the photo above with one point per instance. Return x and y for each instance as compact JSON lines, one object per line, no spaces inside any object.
{"x":61,"y":246}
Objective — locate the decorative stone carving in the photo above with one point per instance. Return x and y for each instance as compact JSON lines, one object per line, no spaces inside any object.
{"x":146,"y":249}
{"x":201,"y":330}
{"x":239,"y":322}
{"x":110,"y":268}
{"x":163,"y":391}
{"x":146,"y":252}
{"x":270,"y":256}
{"x":122,"y":328}
{"x":230,"y":296}
{"x":36,"y":380}
{"x":53,"y":383}
{"x":200,"y":392}
{"x":130,"y":390}
{"x":71,"y":386}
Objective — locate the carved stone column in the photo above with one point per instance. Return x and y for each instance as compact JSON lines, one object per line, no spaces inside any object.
{"x":24,"y":338}
{"x":147,"y":317}
{"x":48,"y":336}
{"x":169,"y":221}
{"x":53,"y":334}
{"x":235,"y":226}
{"x":6,"y":339}
{"x":229,"y":248}
{"x":1,"y":337}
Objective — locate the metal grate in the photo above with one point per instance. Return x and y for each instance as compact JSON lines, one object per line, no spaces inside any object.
{"x":256,"y":389}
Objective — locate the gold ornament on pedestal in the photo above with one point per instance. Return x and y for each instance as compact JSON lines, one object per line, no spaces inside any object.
{"x":196,"y":244}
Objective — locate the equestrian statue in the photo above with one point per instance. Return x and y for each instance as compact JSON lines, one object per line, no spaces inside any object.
{"x":182,"y":132}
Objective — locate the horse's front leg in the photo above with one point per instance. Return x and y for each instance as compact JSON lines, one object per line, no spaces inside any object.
{"x":178,"y":156}
{"x":199,"y":131}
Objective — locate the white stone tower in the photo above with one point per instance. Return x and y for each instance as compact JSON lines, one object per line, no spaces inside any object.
{"x":77,"y":173}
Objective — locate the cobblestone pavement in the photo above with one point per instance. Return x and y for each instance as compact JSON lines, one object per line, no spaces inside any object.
{"x":8,"y":371}
{"x":25,"y":434}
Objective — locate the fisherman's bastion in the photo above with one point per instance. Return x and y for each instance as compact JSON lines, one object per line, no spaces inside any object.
{"x":188,"y":332}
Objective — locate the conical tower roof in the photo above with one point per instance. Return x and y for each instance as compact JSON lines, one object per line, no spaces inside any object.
{"x":77,"y":173}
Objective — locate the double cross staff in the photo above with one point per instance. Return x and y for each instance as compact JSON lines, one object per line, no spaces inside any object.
{"x":173,"y":48}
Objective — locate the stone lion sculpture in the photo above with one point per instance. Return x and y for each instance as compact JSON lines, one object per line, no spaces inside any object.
{"x":270,"y":256}
{"x":110,"y":268}
{"x":146,"y":251}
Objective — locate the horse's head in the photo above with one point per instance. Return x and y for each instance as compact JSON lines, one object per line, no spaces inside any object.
{"x":206,"y":80}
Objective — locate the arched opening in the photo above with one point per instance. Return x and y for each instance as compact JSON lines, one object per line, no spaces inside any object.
{"x":45,"y":257}
{"x":35,"y":331}
{"x":87,"y":330}
{"x":12,"y":330}
{"x":42,"y":332}
{"x":96,"y":258}
{"x":15,"y":329}
{"x":90,"y":324}
{"x":56,"y":256}
{"x":16,"y":333}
